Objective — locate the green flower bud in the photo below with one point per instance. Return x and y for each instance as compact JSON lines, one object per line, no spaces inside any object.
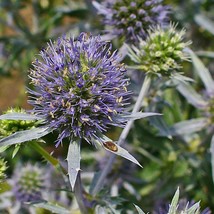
{"x":162,"y":52}
{"x":8,"y":127}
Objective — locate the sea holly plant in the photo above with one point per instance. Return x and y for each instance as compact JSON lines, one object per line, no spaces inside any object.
{"x":129,"y":19}
{"x":160,"y":55}
{"x":201,"y":101}
{"x":177,"y":207}
{"x":79,"y":90}
{"x":29,"y":183}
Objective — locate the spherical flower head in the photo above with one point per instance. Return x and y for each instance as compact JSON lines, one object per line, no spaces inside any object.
{"x":28,"y":183}
{"x":131,"y":19}
{"x":8,"y":127}
{"x":162,"y":52}
{"x":80,"y":88}
{"x":3,"y":168}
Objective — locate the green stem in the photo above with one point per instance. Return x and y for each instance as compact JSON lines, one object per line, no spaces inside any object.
{"x":108,"y":166}
{"x":78,"y":192}
{"x":47,"y":156}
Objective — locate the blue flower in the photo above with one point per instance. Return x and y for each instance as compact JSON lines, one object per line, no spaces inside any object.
{"x":131,"y":19}
{"x":79,"y":87}
{"x":28,"y":183}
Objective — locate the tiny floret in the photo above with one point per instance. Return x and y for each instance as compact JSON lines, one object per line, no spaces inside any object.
{"x":79,"y":87}
{"x":131,"y":19}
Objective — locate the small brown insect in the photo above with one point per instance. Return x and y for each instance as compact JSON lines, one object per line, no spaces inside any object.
{"x":111,"y":146}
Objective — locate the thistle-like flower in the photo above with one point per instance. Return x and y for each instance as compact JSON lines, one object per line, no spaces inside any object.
{"x":28,"y":183}
{"x":8,"y":127}
{"x":162,"y":52}
{"x":131,"y":19}
{"x":80,"y":88}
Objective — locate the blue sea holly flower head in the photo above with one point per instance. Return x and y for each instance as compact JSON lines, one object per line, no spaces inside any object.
{"x":79,"y":87}
{"x":130,"y":19}
{"x":28,"y":183}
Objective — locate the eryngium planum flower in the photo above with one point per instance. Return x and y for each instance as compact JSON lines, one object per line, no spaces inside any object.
{"x":80,"y":87}
{"x":131,"y":19}
{"x":28,"y":183}
{"x":162,"y":52}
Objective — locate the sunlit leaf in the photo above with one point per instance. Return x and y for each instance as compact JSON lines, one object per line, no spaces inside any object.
{"x":24,"y":136}
{"x":140,"y":115}
{"x":174,"y":203}
{"x":110,"y":146}
{"x":194,"y":209}
{"x":54,"y":208}
{"x":188,"y":126}
{"x":138,"y":209}
{"x":19,"y":116}
{"x":191,"y":95}
{"x":73,"y":159}
{"x":205,"y":22}
{"x":203,"y":72}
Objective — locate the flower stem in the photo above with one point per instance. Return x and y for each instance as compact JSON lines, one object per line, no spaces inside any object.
{"x":47,"y":156}
{"x":78,"y":192}
{"x":123,"y":135}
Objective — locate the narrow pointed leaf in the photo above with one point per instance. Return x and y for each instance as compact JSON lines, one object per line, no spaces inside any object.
{"x":24,"y":136}
{"x":19,"y":116}
{"x":140,"y":115}
{"x":194,"y":209}
{"x":52,"y":207}
{"x":3,"y":148}
{"x":73,"y":159}
{"x":15,"y":151}
{"x":191,"y":95}
{"x":178,"y":77}
{"x":160,"y":124}
{"x":138,"y":209}
{"x":209,"y":54}
{"x":212,"y":156}
{"x":99,"y":7}
{"x":203,"y":72}
{"x":110,"y":146}
{"x":116,"y":149}
{"x":94,"y":180}
{"x":174,"y":203}
{"x":205,"y":22}
{"x":188,"y":126}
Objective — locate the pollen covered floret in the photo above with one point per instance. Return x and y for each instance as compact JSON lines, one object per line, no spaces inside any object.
{"x":28,"y":183}
{"x":80,"y":87}
{"x":8,"y":127}
{"x":132,"y":18}
{"x":162,"y":52}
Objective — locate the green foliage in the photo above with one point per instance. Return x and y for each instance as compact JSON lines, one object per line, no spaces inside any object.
{"x":175,"y":148}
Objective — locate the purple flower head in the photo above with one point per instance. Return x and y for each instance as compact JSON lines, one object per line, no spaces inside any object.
{"x":138,"y":15}
{"x":80,"y":87}
{"x":28,"y":183}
